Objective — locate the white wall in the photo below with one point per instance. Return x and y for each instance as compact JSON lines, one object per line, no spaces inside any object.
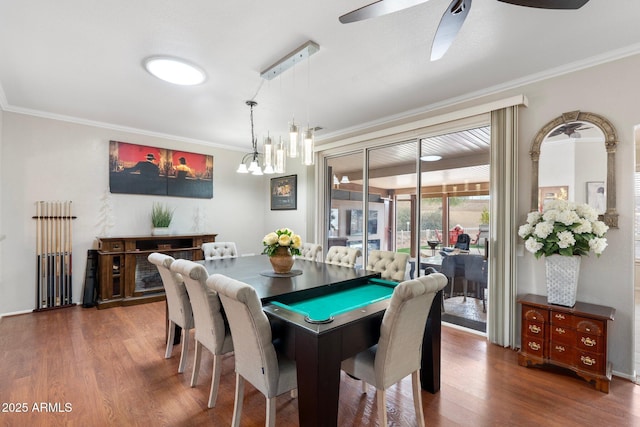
{"x":610,"y":90}
{"x":43,"y":159}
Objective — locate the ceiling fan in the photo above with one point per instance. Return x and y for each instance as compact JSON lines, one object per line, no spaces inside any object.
{"x":452,"y":18}
{"x":569,"y":129}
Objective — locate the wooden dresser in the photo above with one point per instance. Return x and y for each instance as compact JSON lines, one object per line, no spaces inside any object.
{"x":572,"y":338}
{"x":126,"y":277}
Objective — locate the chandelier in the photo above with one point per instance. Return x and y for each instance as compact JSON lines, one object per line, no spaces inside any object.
{"x":272,"y":158}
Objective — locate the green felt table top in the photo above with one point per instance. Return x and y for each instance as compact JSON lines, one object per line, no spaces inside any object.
{"x":324,"y":307}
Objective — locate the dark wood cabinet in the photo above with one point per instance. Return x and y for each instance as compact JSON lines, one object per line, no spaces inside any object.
{"x":572,"y":338}
{"x":126,"y":277}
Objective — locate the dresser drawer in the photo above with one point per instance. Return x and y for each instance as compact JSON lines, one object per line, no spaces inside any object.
{"x":590,"y":361}
{"x":562,"y":319}
{"x":563,"y":334}
{"x":590,"y":326}
{"x":590,"y":343}
{"x":533,"y":346}
{"x":111,"y":246}
{"x":535,"y":314}
{"x":561,"y":352}
{"x":533,"y":329}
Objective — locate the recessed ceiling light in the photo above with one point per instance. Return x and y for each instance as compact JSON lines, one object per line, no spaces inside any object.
{"x":430,"y":158}
{"x":174,"y":70}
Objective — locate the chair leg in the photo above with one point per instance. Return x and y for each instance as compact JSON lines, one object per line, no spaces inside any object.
{"x":417,"y":397}
{"x":271,"y":412}
{"x":170,"y":337}
{"x":215,"y":380}
{"x":185,"y":350}
{"x":237,"y":406}
{"x":196,"y":363}
{"x":382,"y":407}
{"x":465,"y":285}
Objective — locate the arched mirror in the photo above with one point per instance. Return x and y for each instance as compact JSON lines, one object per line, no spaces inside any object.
{"x":573,"y":158}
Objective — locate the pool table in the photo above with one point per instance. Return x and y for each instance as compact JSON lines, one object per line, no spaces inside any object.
{"x":319,"y":339}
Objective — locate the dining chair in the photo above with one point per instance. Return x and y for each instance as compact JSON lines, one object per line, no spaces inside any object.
{"x":342,"y":255}
{"x":399,"y":349}
{"x":257,"y":360}
{"x":475,"y":270}
{"x":178,"y":306}
{"x":217,"y":250}
{"x":453,"y":267}
{"x":212,"y":331}
{"x":391,"y":265}
{"x":462,"y":242}
{"x":310,"y":251}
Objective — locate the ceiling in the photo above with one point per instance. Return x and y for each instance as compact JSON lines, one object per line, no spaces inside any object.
{"x":80,"y":60}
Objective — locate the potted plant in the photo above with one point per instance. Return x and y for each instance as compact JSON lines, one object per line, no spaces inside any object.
{"x":280,"y":246}
{"x":161,"y":217}
{"x":563,"y":232}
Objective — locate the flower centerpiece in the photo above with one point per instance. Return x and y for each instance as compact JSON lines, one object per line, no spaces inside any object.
{"x":563,"y":232}
{"x":280,"y":246}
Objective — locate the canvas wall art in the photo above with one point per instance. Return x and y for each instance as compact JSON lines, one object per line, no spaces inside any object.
{"x":141,"y":169}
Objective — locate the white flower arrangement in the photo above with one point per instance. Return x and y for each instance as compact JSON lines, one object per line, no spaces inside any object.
{"x":564,"y":228}
{"x":283,"y":237}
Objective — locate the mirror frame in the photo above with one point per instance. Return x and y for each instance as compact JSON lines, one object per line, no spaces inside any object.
{"x":610,"y":217}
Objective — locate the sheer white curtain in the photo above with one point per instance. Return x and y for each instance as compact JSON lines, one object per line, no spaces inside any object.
{"x":502,"y":314}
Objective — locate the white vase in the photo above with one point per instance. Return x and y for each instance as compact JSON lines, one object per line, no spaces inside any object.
{"x":160,"y":231}
{"x":562,"y":279}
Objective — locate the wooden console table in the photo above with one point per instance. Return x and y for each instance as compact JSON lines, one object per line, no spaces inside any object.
{"x":572,"y":338}
{"x":125,"y":277}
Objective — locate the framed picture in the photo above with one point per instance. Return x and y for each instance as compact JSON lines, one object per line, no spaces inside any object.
{"x":596,"y":197}
{"x":141,"y":169}
{"x":284,"y":193}
{"x":560,"y":192}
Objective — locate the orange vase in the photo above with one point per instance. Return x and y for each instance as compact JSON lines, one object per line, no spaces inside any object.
{"x":281,"y":260}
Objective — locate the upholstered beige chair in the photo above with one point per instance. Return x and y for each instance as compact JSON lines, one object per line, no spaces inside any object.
{"x":256,"y":358}
{"x":178,"y":305}
{"x":217,"y":250}
{"x":310,"y":251}
{"x":342,"y":255}
{"x":391,"y":265}
{"x":212,"y":331}
{"x":399,"y":349}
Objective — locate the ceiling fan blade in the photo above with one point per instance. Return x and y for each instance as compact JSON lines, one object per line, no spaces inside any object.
{"x":548,"y":4}
{"x":450,"y":24}
{"x":379,"y":8}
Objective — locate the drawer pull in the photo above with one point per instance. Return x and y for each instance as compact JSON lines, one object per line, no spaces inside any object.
{"x":560,"y":349}
{"x":560,"y":316}
{"x":561,"y":331}
{"x":589,"y":342}
{"x":534,"y":346}
{"x":535,"y":329}
{"x":587,"y":360}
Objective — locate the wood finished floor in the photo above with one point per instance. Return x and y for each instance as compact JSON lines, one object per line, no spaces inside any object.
{"x":109,"y":366}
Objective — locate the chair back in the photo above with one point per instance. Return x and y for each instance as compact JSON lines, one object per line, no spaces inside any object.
{"x":207,"y":315}
{"x":475,"y":269}
{"x":255,"y":356}
{"x":310,"y":251}
{"x":400,"y":346}
{"x":391,"y":265}
{"x":217,"y":250}
{"x":463,"y":242}
{"x":178,"y":303}
{"x":343,"y":256}
{"x":448,"y":266}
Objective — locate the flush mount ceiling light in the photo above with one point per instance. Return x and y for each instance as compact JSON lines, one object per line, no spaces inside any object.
{"x":432,"y":158}
{"x":174,"y":70}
